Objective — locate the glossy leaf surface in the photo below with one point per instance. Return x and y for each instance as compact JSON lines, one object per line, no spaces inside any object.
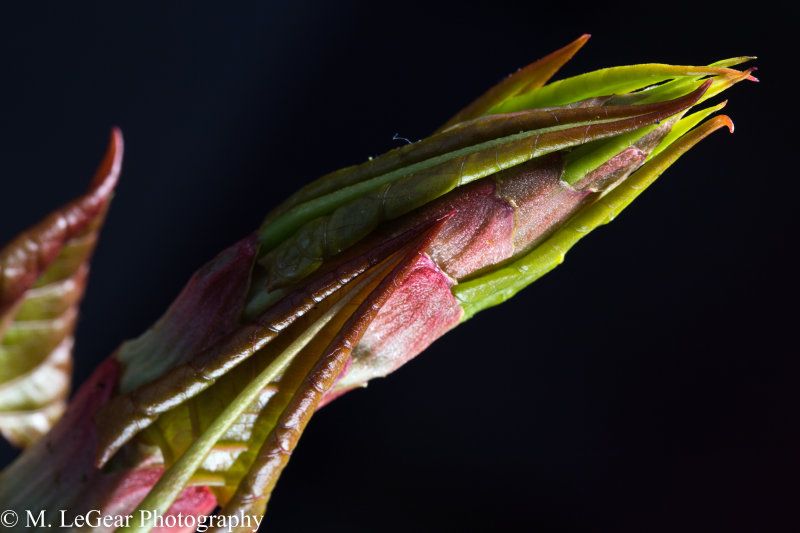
{"x":358,"y":273}
{"x":43,"y":274}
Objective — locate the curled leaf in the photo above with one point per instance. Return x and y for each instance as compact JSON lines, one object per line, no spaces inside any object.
{"x":497,"y":286}
{"x":255,"y":488}
{"x":132,"y":411}
{"x":57,"y":473}
{"x":43,"y":274}
{"x":354,"y":213}
{"x":352,"y":277}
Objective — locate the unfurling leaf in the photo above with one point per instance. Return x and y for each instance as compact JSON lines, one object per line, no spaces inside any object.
{"x":355,"y":275}
{"x":43,"y":274}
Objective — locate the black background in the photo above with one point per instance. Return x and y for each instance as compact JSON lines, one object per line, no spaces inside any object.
{"x":645,"y":385}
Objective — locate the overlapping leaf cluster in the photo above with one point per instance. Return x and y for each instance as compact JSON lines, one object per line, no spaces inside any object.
{"x":218,"y":392}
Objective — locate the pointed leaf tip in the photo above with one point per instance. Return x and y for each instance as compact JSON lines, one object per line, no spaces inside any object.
{"x":107,"y":174}
{"x":725,"y":120}
{"x":527,"y":78}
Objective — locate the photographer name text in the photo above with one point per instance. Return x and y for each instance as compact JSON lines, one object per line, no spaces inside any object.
{"x":96,"y":519}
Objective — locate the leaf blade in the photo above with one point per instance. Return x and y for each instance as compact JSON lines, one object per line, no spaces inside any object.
{"x":526,"y":79}
{"x":43,"y":274}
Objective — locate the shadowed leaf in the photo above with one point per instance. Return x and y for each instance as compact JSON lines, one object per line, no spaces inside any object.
{"x":43,"y":273}
{"x":132,"y":411}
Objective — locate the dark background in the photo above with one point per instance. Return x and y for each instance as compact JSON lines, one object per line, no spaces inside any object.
{"x":645,"y":385}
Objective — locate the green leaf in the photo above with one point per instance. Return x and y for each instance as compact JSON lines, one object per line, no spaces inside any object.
{"x":325,"y":339}
{"x":43,"y":275}
{"x":615,"y":80}
{"x":357,"y":210}
{"x":525,"y":79}
{"x":201,"y":365}
{"x":501,"y":284}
